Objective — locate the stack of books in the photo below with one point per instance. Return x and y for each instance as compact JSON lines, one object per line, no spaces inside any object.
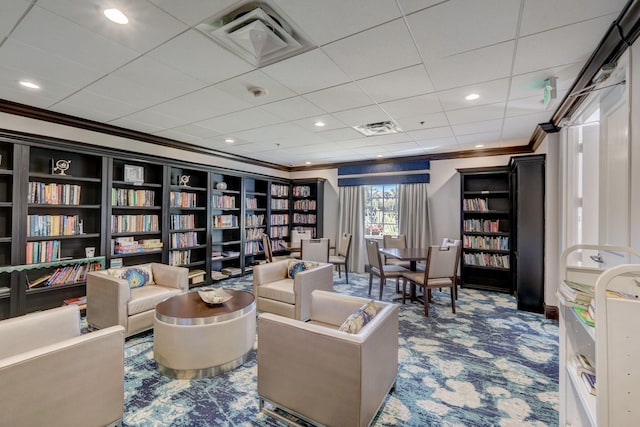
{"x":217,"y":275}
{"x":585,"y":371}
{"x":196,"y":276}
{"x":577,"y":294}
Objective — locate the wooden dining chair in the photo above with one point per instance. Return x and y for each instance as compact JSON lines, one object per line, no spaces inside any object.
{"x":400,"y":242}
{"x":296,"y":238}
{"x":342,"y":255}
{"x":314,"y":250}
{"x":376,"y":267}
{"x":440,"y":272}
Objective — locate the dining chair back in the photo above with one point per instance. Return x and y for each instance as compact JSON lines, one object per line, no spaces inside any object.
{"x":297,"y":237}
{"x":342,"y":255}
{"x":399,"y":242}
{"x":266,"y":244}
{"x":376,"y":267}
{"x":315,"y":250}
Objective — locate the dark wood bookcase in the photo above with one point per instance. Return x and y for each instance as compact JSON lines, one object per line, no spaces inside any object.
{"x":502,"y":229}
{"x":279,"y":216}
{"x":307,"y":198}
{"x":131,"y":209}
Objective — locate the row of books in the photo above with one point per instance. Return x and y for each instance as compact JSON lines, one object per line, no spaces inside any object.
{"x":301,"y":191}
{"x":53,"y":193}
{"x":64,"y":275}
{"x":483,"y":242}
{"x":254,"y":220}
{"x":581,"y":298}
{"x":134,"y":223}
{"x":251,"y":203}
{"x":223,"y":202}
{"x":279,"y":219}
{"x":481,"y":226}
{"x":487,"y":260}
{"x":127,"y":245}
{"x":54,"y":225}
{"x":253,"y":247}
{"x":279,"y":190}
{"x":130,"y":197}
{"x":476,"y":204}
{"x":183,"y":240}
{"x":279,"y":231}
{"x":178,"y":199}
{"x":304,"y":218}
{"x":584,"y":370}
{"x":46,"y":251}
{"x":224,"y":221}
{"x":182,"y":222}
{"x":304,"y":205}
{"x":179,"y":257}
{"x":254,"y":233}
{"x":281,"y":204}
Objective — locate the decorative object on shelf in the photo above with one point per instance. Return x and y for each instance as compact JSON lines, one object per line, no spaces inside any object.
{"x":133,"y":174}
{"x":90,"y":252}
{"x":214,"y":296}
{"x":59,"y":167}
{"x":184,"y":180}
{"x":221,"y":185}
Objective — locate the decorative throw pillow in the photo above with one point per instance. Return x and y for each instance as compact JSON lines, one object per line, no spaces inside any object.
{"x":137,"y":276}
{"x":356,"y":321}
{"x":296,"y":266}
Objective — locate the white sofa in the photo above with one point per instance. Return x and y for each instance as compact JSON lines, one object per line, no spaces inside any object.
{"x":112,"y":301}
{"x":51,"y":375}
{"x":276,"y":293}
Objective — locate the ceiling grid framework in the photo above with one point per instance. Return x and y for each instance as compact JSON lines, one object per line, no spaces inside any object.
{"x":407,"y":61}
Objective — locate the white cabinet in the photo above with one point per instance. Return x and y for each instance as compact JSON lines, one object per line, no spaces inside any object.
{"x":613,"y":346}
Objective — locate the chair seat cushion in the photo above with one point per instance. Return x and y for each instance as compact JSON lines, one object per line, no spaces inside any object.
{"x":281,"y":290}
{"x":414,"y":276}
{"x":418,"y":277}
{"x":336,"y":259}
{"x":146,"y":298}
{"x":391,"y":261}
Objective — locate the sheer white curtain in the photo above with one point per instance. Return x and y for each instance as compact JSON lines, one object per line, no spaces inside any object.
{"x":413,"y":215}
{"x":351,"y":220}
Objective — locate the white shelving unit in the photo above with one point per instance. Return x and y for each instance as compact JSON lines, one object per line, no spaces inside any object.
{"x":613,"y":346}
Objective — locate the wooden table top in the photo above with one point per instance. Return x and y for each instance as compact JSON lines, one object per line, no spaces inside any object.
{"x":189,"y":309}
{"x":406,"y":254}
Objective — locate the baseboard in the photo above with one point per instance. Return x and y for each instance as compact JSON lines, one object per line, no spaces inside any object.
{"x":551,"y":312}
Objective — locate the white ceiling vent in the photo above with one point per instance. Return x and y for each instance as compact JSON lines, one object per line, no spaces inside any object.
{"x":379,"y":128}
{"x":254,"y":31}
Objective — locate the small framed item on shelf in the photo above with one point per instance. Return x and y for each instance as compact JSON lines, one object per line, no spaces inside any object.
{"x":60,"y":167}
{"x":183,"y":180}
{"x":133,"y":174}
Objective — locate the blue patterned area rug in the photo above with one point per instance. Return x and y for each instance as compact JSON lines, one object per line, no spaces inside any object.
{"x":487,"y":365}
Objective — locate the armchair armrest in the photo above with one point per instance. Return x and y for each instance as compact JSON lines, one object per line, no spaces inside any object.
{"x":307,"y":281}
{"x":79,"y":381}
{"x":107,"y":298}
{"x":170,"y":276}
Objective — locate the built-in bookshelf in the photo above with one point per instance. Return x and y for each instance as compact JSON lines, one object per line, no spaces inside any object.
{"x":486,"y":228}
{"x":187,"y":194}
{"x":255,"y":220}
{"x":226,"y":240}
{"x":6,"y":224}
{"x":279,"y":217}
{"x":136,"y":212}
{"x":307,"y":196}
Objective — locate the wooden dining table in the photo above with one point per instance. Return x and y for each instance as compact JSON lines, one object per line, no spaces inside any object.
{"x":413,"y":255}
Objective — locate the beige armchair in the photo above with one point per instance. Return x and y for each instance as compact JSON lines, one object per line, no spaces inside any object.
{"x":51,"y":375}
{"x":276,"y":292}
{"x":112,"y":301}
{"x":323,"y":375}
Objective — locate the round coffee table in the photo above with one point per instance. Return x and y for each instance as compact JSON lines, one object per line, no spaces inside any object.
{"x":193,"y":339}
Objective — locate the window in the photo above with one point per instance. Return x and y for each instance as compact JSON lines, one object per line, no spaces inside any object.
{"x":381,"y":209}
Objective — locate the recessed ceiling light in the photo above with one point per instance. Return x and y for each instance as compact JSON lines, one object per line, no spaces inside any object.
{"x":116,"y":16}
{"x":472,"y":96}
{"x":479,"y":145}
{"x":229,"y":140}
{"x":431,"y":148}
{"x":380,"y":155}
{"x":307,"y":163}
{"x":319,"y":123}
{"x":28,"y":84}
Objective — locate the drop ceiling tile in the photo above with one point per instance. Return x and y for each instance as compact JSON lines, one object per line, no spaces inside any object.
{"x":59,"y":36}
{"x":240,"y":120}
{"x":532,"y":84}
{"x":203,"y":104}
{"x":362,"y":115}
{"x":197,"y":10}
{"x":12,"y":11}
{"x":200,"y":57}
{"x":490,"y":92}
{"x":330,"y":123}
{"x":437,"y":143}
{"x":478,"y":127}
{"x":571,"y":44}
{"x":148,"y":25}
{"x":478,"y":138}
{"x":293,"y":108}
{"x":378,"y":50}
{"x":94,"y":106}
{"x":342,"y":134}
{"x":147,"y":121}
{"x":543,"y":15}
{"x":421,"y":121}
{"x":178,"y":136}
{"x":533,"y":104}
{"x":279,"y":131}
{"x":320,"y":72}
{"x":50,"y":93}
{"x":445,"y":30}
{"x":329,"y":20}
{"x":410,"y":6}
{"x":314,"y":148}
{"x":404,"y":83}
{"x":475,"y":66}
{"x":193,"y":129}
{"x":476,"y":114}
{"x":433,"y":133}
{"x":422,"y":104}
{"x":339,"y":98}
{"x":523,"y":126}
{"x":239,"y":87}
{"x":400,"y":147}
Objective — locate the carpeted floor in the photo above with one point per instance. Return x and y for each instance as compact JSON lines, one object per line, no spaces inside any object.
{"x":487,"y":365}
